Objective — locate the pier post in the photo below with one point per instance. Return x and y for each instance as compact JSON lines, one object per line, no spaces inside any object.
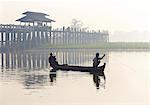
{"x":2,"y":42}
{"x":29,"y":61}
{"x":15,"y":58}
{"x":2,"y":59}
{"x":7,"y":60}
{"x":7,"y":41}
{"x":38,"y":39}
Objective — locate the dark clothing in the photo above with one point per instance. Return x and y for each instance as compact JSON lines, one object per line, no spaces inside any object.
{"x":52,"y":61}
{"x":96,"y":62}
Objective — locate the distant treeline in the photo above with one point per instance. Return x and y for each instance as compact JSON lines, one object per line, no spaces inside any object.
{"x":105,"y":45}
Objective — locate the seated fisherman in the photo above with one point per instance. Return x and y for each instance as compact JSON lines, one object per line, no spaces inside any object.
{"x":96,"y":60}
{"x":52,"y":60}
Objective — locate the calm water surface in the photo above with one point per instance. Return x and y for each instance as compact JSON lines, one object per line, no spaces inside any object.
{"x":25,"y":79}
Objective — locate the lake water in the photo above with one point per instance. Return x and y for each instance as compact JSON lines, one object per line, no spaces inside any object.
{"x":25,"y":79}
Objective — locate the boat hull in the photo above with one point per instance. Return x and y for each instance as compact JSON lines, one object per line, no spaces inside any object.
{"x":99,"y":69}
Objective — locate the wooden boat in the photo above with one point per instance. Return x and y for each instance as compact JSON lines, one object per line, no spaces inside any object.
{"x":99,"y":69}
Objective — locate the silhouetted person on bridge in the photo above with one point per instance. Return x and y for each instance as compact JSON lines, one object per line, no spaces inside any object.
{"x":96,"y":60}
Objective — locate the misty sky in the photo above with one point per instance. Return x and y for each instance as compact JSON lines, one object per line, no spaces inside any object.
{"x":126,"y":20}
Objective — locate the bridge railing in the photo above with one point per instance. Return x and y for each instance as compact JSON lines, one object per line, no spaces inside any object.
{"x":21,"y":27}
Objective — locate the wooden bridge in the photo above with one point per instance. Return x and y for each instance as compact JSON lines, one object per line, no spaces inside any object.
{"x":27,"y":36}
{"x":18,"y":37}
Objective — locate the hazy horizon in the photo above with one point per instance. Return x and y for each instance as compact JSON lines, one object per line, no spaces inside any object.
{"x":125,"y":20}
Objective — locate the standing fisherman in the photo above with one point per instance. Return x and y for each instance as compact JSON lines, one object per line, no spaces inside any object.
{"x":96,"y":60}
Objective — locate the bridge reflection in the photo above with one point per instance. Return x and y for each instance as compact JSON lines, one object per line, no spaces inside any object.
{"x":31,"y":65}
{"x":40,"y":60}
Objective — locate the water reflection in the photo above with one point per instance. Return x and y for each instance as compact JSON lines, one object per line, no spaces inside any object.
{"x":40,"y":60}
{"x":52,"y":75}
{"x":24,"y":60}
{"x":34,"y":81}
{"x":30,"y":66}
{"x":122,"y":73}
{"x":99,"y":78}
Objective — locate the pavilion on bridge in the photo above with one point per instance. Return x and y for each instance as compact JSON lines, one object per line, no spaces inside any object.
{"x":35,"y":19}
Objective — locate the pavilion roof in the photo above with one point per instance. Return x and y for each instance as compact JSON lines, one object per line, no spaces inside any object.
{"x":35,"y":16}
{"x":34,"y":13}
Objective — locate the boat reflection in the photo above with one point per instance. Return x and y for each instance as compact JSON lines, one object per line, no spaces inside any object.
{"x":52,"y":75}
{"x":99,"y":78}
